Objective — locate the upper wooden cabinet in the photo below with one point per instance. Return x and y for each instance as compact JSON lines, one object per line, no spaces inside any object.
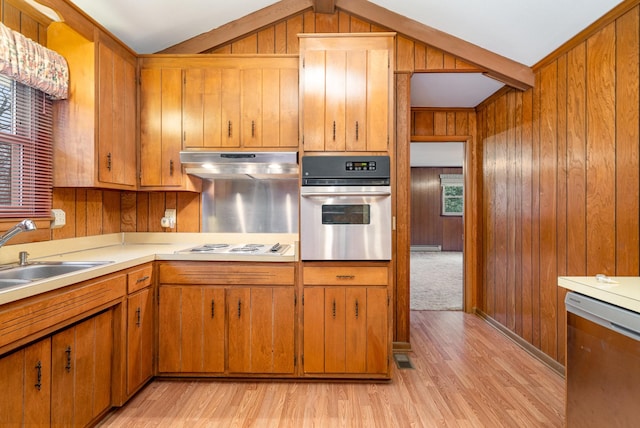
{"x":233,"y":102}
{"x":346,"y":91}
{"x":95,"y":128}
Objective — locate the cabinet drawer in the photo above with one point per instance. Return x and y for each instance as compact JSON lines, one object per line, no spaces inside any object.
{"x":212,"y":273}
{"x":345,"y":275}
{"x":139,"y":278}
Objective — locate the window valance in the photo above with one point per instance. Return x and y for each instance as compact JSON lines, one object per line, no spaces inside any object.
{"x":32,"y":64}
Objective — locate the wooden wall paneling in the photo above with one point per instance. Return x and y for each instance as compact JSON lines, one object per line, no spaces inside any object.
{"x":357,"y":25}
{"x":419,"y":56}
{"x":189,"y":212}
{"x":511,"y":262}
{"x":461,"y":126}
{"x":500,"y":231}
{"x":435,"y":59}
{"x":517,"y":198}
{"x":561,"y":205}
{"x":404,"y":54}
{"x":601,"y":120}
{"x":281,"y":38}
{"x":440,"y":123}
{"x":526,"y":238}
{"x":11,"y":16}
{"x":535,"y":210}
{"x":156,"y":211}
{"x":309,"y":22}
{"x":128,"y":211}
{"x":267,"y":40}
{"x":65,"y":199}
{"x":627,"y":148}
{"x":94,"y":208}
{"x":142,"y":211}
{"x":111,"y":214}
{"x":246,"y":45}
{"x":548,"y":208}
{"x":295,"y":25}
{"x":576,"y":161}
{"x":326,"y":23}
{"x":488,"y":192}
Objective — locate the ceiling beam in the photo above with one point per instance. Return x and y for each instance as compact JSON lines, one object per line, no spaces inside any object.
{"x":324,"y":6}
{"x":240,"y":27}
{"x":498,"y":67}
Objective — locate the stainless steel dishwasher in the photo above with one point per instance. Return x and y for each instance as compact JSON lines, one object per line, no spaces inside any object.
{"x":603,"y":364}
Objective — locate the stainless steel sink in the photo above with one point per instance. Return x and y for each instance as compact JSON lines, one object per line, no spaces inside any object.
{"x":18,"y":275}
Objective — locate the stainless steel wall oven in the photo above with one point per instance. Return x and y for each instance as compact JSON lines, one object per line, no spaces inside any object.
{"x":345,"y":208}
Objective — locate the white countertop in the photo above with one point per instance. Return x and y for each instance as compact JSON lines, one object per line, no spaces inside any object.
{"x":624,"y":291}
{"x":126,"y":250}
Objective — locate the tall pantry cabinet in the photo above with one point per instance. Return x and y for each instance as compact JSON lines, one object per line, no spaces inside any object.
{"x":346,"y":92}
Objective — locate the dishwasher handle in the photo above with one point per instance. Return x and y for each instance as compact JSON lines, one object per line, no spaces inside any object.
{"x":609,"y":316}
{"x":330,"y":194}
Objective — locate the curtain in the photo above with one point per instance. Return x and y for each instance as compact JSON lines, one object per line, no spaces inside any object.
{"x":32,"y":64}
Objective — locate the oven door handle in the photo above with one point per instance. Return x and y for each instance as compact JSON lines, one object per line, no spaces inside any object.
{"x":329,"y":194}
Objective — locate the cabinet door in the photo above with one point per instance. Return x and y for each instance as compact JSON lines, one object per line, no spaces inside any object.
{"x":26,"y":386}
{"x":356,"y":101}
{"x":252,"y":98}
{"x":230,"y":109}
{"x":139,"y":339}
{"x":191,"y":329}
{"x":313,"y":100}
{"x":378,"y":96}
{"x":202,"y":110}
{"x":261,"y":329}
{"x":346,"y":330}
{"x":81,"y":371}
{"x":116,"y":118}
{"x":160,"y":127}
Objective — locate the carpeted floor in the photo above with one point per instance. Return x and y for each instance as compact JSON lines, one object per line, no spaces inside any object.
{"x":436,"y":281}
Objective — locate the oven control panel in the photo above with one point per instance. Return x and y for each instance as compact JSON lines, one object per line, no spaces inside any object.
{"x":361,"y":165}
{"x":345,"y":170}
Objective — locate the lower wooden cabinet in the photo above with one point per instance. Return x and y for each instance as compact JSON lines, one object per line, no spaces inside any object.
{"x":81,"y":371}
{"x":140,"y":328}
{"x":219,"y":319}
{"x":26,"y":386}
{"x":346,"y":321}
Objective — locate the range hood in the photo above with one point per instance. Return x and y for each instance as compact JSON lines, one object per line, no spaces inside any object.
{"x":241,"y":165}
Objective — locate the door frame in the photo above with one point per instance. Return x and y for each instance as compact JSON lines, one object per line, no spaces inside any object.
{"x":472,"y":219}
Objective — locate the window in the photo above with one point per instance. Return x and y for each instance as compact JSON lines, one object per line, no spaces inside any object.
{"x":25,"y":151}
{"x":452,"y":194}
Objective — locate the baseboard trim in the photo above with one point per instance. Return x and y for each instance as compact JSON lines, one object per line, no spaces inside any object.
{"x":529,"y":348}
{"x":416,"y":248}
{"x":401,"y":347}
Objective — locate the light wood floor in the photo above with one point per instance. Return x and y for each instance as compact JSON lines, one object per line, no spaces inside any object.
{"x":466,"y":374}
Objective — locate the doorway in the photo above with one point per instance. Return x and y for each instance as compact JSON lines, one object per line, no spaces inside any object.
{"x":437,"y":238}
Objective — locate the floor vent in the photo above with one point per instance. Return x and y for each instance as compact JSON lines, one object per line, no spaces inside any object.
{"x":403,"y":361}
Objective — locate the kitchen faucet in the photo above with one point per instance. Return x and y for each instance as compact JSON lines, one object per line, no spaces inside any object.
{"x":24,"y":226}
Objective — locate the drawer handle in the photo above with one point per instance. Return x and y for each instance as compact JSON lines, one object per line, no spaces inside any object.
{"x":68,"y":352}
{"x":38,"y":384}
{"x":345,"y":276}
{"x":138,"y":317}
{"x":143,"y":279}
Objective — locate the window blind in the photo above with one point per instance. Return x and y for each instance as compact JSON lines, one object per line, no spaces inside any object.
{"x":26,"y":174}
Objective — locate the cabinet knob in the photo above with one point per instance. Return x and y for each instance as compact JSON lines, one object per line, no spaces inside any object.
{"x":357,"y":309}
{"x":357,"y":130}
{"x":239,"y":308}
{"x":138,"y":317}
{"x":213,"y":308}
{"x":253,"y":129}
{"x":171,"y":167}
{"x":334,"y":130}
{"x":229,"y":129}
{"x":109,"y":161}
{"x":333,"y":309}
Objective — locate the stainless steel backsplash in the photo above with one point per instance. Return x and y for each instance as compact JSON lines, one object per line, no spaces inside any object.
{"x":250,"y":206}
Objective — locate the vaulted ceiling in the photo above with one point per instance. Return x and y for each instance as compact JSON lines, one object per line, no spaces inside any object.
{"x":504,"y":37}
